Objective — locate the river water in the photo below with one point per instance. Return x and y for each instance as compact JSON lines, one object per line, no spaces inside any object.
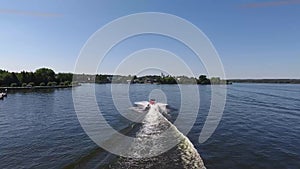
{"x":259,"y":129}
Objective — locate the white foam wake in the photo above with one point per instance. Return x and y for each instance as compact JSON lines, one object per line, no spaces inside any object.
{"x":153,"y":144}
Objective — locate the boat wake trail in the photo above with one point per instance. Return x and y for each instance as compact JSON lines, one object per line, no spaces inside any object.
{"x":152,"y":148}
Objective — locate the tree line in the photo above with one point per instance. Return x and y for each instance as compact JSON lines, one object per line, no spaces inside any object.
{"x":41,"y":77}
{"x":155,"y":79}
{"x":47,"y":77}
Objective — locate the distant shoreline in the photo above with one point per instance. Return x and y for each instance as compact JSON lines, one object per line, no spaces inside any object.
{"x":37,"y":87}
{"x":229,"y":82}
{"x":269,"y":81}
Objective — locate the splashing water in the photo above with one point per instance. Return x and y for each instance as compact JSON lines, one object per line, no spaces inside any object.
{"x":151,"y":140}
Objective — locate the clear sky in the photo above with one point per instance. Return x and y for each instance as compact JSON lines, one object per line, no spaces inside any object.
{"x":255,"y":39}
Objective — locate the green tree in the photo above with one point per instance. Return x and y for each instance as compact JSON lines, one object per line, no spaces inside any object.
{"x":6,"y":79}
{"x":44,"y":75}
{"x":102,"y":79}
{"x":203,"y":80}
{"x":62,"y":77}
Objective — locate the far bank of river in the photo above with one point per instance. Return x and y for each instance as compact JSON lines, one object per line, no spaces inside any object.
{"x":36,"y":87}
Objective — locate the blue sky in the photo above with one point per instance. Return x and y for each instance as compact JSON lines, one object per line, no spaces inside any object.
{"x":254,"y":39}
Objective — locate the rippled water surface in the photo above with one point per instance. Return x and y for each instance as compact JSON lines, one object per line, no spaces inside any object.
{"x":260,"y":127}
